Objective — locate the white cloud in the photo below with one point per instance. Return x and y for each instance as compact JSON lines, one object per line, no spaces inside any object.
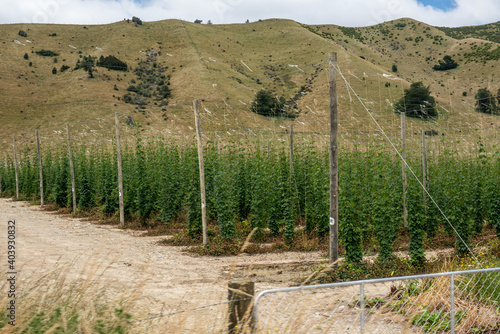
{"x":347,"y":13}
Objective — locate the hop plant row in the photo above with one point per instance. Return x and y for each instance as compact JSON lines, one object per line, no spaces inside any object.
{"x":257,"y":184}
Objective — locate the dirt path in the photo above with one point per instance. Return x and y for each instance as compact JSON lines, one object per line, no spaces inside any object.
{"x":169,"y":279}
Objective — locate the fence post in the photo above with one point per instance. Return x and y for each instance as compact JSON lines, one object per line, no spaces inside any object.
{"x":424,"y":168}
{"x":362,"y":305}
{"x":241,"y":295}
{"x":268,"y":149}
{"x":291,"y":151}
{"x":202,"y":172}
{"x":405,"y":180}
{"x":15,"y":167}
{"x":40,"y":171}
{"x":71,"y":169}
{"x":452,"y":304}
{"x":334,"y":190}
{"x":120,"y":174}
{"x":217,"y":142}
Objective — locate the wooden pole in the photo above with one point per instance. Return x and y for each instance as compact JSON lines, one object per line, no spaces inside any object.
{"x":334,"y":189}
{"x":202,"y":171}
{"x":120,"y":173}
{"x":241,"y":295}
{"x":291,"y":151}
{"x":424,"y":168}
{"x":71,"y":169}
{"x":217,"y":143}
{"x":15,"y":167}
{"x":405,"y":180}
{"x":40,"y":170}
{"x":268,"y":149}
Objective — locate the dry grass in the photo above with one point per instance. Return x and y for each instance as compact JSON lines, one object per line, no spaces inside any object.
{"x":55,"y":301}
{"x":206,"y":64}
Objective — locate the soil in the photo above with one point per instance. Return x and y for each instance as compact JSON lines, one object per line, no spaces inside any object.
{"x":169,"y":279}
{"x":188,"y":291}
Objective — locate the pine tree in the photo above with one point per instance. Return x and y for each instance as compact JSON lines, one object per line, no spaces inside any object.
{"x":417,"y":102}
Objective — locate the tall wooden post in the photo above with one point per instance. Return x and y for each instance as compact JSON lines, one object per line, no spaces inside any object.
{"x":334,"y":189}
{"x":217,"y":143}
{"x":15,"y":167}
{"x":40,"y":170}
{"x":403,"y":164}
{"x":120,"y":173}
{"x":202,"y":171}
{"x":291,"y":150}
{"x":268,"y":149}
{"x":71,"y":169}
{"x":424,"y":168}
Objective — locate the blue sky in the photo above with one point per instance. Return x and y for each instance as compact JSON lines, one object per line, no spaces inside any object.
{"x":351,"y":13}
{"x":440,"y":4}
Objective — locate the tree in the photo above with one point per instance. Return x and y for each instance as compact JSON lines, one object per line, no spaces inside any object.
{"x":23,"y":33}
{"x":112,"y":63}
{"x":498,"y":96}
{"x":417,"y":102}
{"x":26,"y":56}
{"x":54,"y":70}
{"x":209,"y":22}
{"x":247,"y":21}
{"x":485,"y":101}
{"x":137,"y":20}
{"x":47,"y":53}
{"x":268,"y":104}
{"x":446,"y":64}
{"x":88,"y":64}
{"x":198,"y":21}
{"x":394,"y":68}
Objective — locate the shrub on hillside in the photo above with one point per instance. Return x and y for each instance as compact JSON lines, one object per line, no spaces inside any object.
{"x":417,"y":102}
{"x":446,"y":64}
{"x":87,"y":63}
{"x":137,"y":20}
{"x":23,"y":33}
{"x":112,"y":63}
{"x":152,"y":82}
{"x":47,"y":53}
{"x":486,"y":102}
{"x":268,"y":104}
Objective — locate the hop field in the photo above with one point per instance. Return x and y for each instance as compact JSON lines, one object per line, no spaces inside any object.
{"x":256,"y":186}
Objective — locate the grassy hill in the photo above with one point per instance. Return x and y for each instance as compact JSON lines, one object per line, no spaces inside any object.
{"x":489,"y":32}
{"x":225,"y":65}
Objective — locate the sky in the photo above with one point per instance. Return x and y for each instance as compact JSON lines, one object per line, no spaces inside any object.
{"x":352,"y":13}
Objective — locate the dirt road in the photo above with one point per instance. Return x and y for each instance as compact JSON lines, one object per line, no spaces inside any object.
{"x":168,"y":279}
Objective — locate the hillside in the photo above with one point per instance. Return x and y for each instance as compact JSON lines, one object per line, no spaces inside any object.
{"x":488,"y":32}
{"x":225,"y":65}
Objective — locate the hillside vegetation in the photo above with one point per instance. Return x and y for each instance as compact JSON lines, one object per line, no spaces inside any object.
{"x":170,"y":63}
{"x":489,"y":32}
